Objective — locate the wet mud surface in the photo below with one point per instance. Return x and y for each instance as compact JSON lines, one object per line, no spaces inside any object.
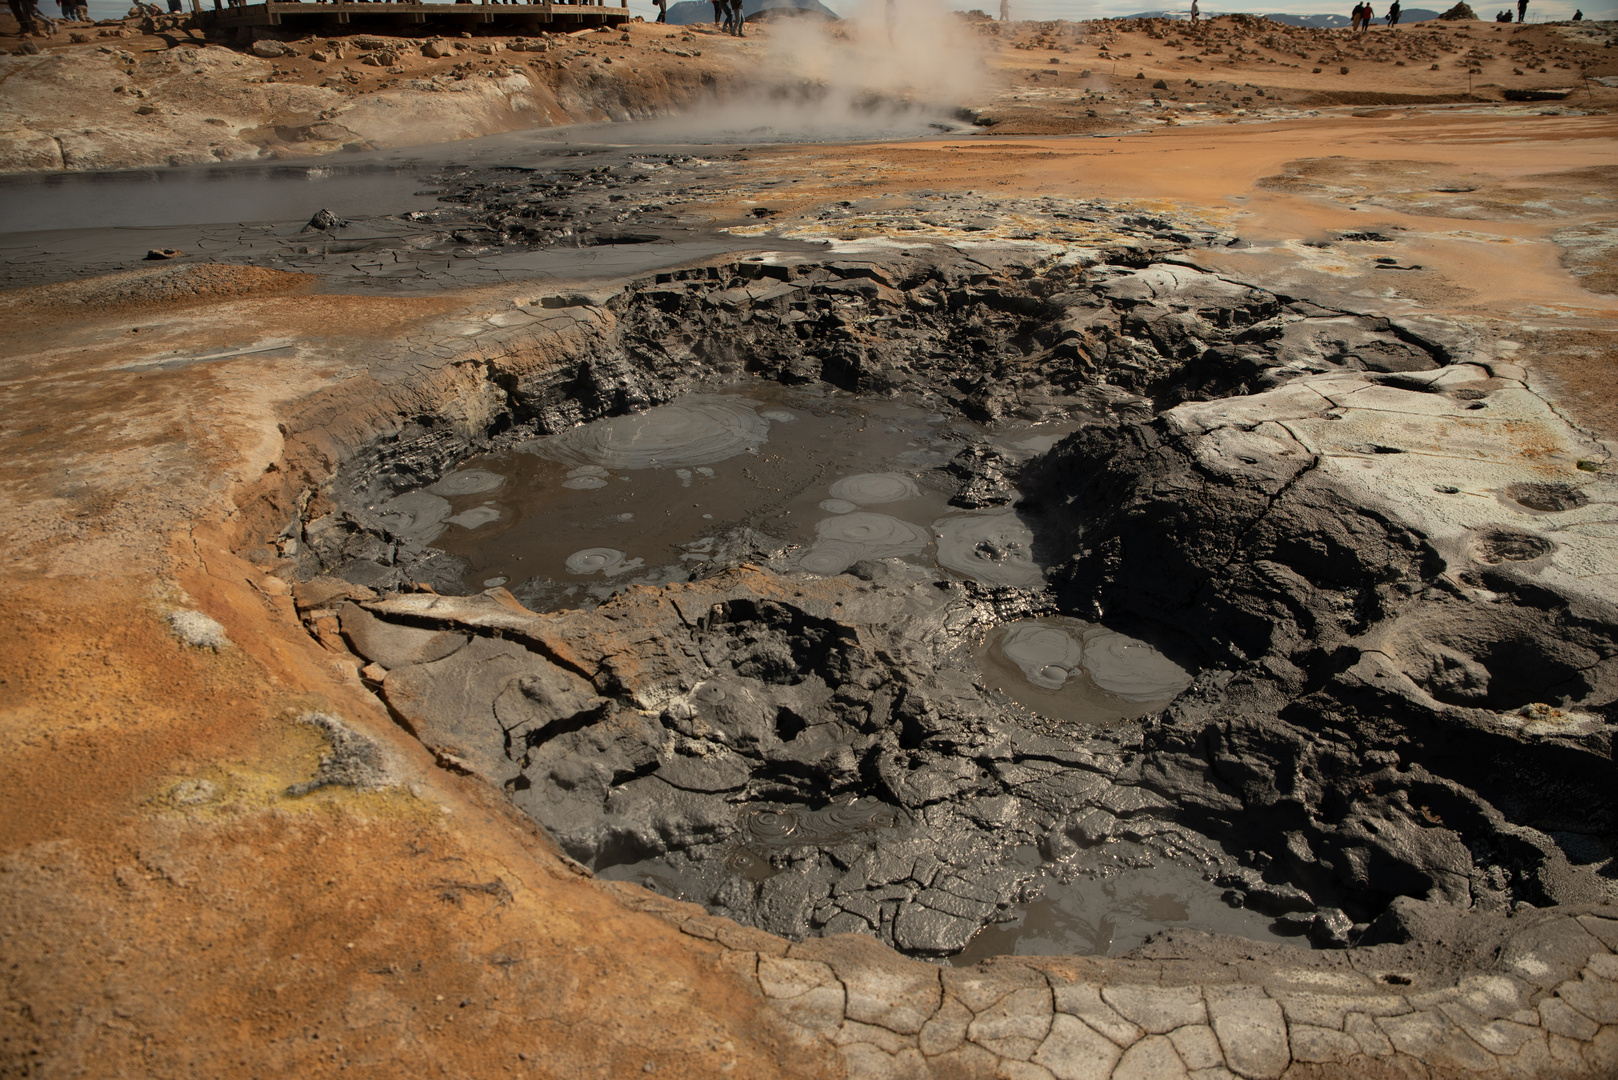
{"x":1273,"y":731}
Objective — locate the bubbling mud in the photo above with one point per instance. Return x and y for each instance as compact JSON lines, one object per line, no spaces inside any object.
{"x":609,"y":562}
{"x":994,"y":548}
{"x":766,"y":832}
{"x":872,"y":489}
{"x":1046,"y":655}
{"x":415,"y":516}
{"x":467,"y":482}
{"x":693,"y":431}
{"x":844,"y":540}
{"x":1077,"y":671}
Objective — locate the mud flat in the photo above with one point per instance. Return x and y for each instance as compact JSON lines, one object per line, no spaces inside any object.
{"x":1321,"y":550}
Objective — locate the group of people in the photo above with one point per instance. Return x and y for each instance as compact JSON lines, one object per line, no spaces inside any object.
{"x":30,"y":20}
{"x":1361,"y":18}
{"x":1522,"y":10}
{"x":727,"y":15}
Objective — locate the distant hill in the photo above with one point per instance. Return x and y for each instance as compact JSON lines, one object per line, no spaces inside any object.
{"x":701,"y":11}
{"x":1322,"y":22}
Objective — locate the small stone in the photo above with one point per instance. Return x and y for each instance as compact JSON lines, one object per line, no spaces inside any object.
{"x":164,"y":253}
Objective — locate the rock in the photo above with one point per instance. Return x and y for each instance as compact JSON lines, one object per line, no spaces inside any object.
{"x":1461,"y":12}
{"x":391,"y":644}
{"x":269,"y":48}
{"x":437,"y":49}
{"x":324,"y":221}
{"x":1160,"y":85}
{"x":164,"y":253}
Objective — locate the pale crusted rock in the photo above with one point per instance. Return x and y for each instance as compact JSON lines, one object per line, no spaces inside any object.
{"x":1157,"y":1009}
{"x":1197,"y":1047}
{"x":1320,"y":1045}
{"x":1014,"y":1026}
{"x":1603,"y":930}
{"x":1491,"y":996}
{"x":1372,"y":1040}
{"x":966,"y":1060}
{"x":1531,"y":1062}
{"x":1329,"y":1010}
{"x":1566,"y":1053}
{"x":1153,"y":1058}
{"x":946,"y":1030}
{"x":1604,"y":965}
{"x":1594,"y":997}
{"x":805,"y":991}
{"x":852,"y":1032}
{"x":979,"y":990}
{"x":1495,"y":1036}
{"x":1075,"y":1051}
{"x":1602,"y":1053}
{"x":867,"y":1061}
{"x":1563,"y":1020}
{"x":1084,"y":1001}
{"x":1251,"y":1030}
{"x":1430,"y":1038}
{"x":783,"y":977}
{"x":884,"y":990}
{"x":1023,"y":1070}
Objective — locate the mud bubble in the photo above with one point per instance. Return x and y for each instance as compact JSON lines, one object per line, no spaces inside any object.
{"x":1072,"y":670}
{"x":766,"y":832}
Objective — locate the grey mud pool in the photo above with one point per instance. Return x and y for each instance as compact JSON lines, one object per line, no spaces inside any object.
{"x":830,"y":483}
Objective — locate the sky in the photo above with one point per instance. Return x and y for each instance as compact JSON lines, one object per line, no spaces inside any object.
{"x":1078,"y":10}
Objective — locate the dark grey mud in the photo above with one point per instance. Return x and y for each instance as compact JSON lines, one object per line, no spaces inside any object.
{"x":822,"y":752}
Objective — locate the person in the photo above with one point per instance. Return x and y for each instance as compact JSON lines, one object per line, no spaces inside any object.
{"x":175,"y":7}
{"x":1005,"y":10}
{"x":1522,"y":9}
{"x":1195,"y":11}
{"x":719,"y":9}
{"x":1393,"y":13}
{"x":1365,"y":19}
{"x":1578,"y":14}
{"x":1354,"y":18}
{"x":41,"y":22}
{"x":21,"y":10}
{"x":662,"y":11}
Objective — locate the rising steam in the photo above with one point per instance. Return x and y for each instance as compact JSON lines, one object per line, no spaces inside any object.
{"x":893,"y":70}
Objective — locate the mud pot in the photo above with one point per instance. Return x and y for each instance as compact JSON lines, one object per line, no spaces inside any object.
{"x":986,"y":598}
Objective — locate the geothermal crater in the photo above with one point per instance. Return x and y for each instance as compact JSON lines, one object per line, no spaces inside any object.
{"x":995,"y":598}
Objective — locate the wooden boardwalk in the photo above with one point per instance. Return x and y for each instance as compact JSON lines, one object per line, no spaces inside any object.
{"x":378,"y":17}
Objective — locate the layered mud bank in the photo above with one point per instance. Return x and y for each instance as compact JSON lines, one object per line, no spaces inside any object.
{"x":1383,"y":558}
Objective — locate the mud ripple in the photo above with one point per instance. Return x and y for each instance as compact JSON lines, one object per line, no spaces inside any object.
{"x":871,"y":489}
{"x":468,"y":482}
{"x":693,"y":431}
{"x":996,"y":549}
{"x":609,"y":562}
